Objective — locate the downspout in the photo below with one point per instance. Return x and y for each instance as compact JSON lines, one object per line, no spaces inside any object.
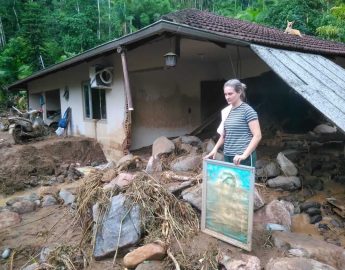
{"x":129,"y":105}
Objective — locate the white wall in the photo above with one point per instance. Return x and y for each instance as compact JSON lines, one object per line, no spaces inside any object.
{"x":108,"y":132}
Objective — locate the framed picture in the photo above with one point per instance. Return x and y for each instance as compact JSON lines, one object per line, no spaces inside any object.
{"x":227,"y":202}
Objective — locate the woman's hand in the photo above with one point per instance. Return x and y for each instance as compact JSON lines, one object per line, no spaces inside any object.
{"x":211,"y":155}
{"x":238,"y":158}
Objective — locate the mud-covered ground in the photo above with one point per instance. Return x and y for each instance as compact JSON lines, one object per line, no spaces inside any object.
{"x":33,"y":164}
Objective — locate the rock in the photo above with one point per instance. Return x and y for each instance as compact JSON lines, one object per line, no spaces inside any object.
{"x":296,"y":263}
{"x":313,"y":182}
{"x":8,"y":218}
{"x":154,"y":165}
{"x":107,"y":235}
{"x":24,"y":206}
{"x":48,"y":200}
{"x":44,"y":254}
{"x":186,"y":163}
{"x":313,"y":211}
{"x":193,"y":195}
{"x":95,"y":212}
{"x":304,"y":206}
{"x":193,"y":140}
{"x":209,"y":146}
{"x":187,"y":148}
{"x":285,"y":182}
{"x":152,"y":251}
{"x":315,"y":219}
{"x":291,"y":154}
{"x":275,"y":212}
{"x":275,"y":227}
{"x":6,"y":253}
{"x":162,"y":145}
{"x":325,"y":129}
{"x":268,"y":170}
{"x":314,"y":248}
{"x":33,"y":266}
{"x":239,"y":262}
{"x":42,"y":191}
{"x":286,"y":165}
{"x":297,"y":252}
{"x":66,"y":196}
{"x":151,"y":265}
{"x":60,"y":179}
{"x":258,"y":200}
{"x":121,"y":181}
{"x":124,"y":160}
{"x":32,"y":197}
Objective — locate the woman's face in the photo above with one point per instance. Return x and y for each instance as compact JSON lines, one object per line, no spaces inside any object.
{"x":231,"y":96}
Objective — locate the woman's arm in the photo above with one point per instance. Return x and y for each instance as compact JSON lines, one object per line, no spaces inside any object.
{"x":214,"y":151}
{"x":255,"y":129}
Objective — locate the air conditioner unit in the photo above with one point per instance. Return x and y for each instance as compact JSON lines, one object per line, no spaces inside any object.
{"x":101,"y":77}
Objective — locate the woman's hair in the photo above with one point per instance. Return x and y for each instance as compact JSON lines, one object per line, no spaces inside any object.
{"x":238,"y":87}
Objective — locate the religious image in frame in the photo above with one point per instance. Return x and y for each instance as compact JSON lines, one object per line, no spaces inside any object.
{"x":227,"y":202}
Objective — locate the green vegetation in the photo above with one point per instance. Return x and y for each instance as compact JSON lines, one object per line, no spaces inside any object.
{"x":38,"y":33}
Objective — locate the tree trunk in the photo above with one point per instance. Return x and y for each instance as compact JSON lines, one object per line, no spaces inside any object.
{"x":99,"y":21}
{"x":2,"y":35}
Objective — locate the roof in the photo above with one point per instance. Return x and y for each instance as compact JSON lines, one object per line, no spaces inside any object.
{"x":317,"y":79}
{"x":254,"y":33}
{"x":202,"y":25}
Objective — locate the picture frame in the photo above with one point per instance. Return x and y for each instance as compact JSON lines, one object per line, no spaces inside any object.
{"x":227,"y":202}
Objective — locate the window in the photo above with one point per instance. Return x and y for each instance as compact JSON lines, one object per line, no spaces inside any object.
{"x":94,"y":102}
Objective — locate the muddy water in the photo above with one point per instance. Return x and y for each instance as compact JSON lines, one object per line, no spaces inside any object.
{"x":301,"y":224}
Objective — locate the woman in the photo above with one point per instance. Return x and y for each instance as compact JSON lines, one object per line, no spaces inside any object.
{"x":240,"y":129}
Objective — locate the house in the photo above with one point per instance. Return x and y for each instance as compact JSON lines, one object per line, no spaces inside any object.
{"x":140,"y":97}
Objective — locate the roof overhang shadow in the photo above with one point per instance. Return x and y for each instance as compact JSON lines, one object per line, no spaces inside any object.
{"x":317,"y":79}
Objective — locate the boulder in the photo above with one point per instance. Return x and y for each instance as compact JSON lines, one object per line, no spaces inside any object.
{"x":150,"y":265}
{"x":66,"y":196}
{"x":48,"y":200}
{"x":314,"y":248}
{"x":186,"y":163}
{"x":121,"y":181}
{"x":296,"y":263}
{"x":258,"y":200}
{"x":24,"y":206}
{"x":277,"y":212}
{"x":286,"y":165}
{"x":238,"y":262}
{"x":120,"y":228}
{"x":152,"y":251}
{"x":325,"y":129}
{"x":193,"y":140}
{"x":193,"y":195}
{"x":285,"y":182}
{"x":8,"y":219}
{"x":162,"y":145}
{"x":154,"y":165}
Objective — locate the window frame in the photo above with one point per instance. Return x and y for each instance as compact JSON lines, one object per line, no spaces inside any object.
{"x":86,"y":84}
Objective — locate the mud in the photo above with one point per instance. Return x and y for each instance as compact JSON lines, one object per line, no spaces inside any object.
{"x":30,"y":165}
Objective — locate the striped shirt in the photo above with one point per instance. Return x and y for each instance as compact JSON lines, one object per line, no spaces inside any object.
{"x":237,"y":131}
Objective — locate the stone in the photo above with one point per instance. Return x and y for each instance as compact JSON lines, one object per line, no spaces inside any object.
{"x":289,"y":183}
{"x":193,"y":195}
{"x":6,"y":253}
{"x":154,"y":165}
{"x":60,"y":179}
{"x":313,"y":211}
{"x":66,"y":196}
{"x":239,"y":262}
{"x":124,"y":160}
{"x":186,"y":148}
{"x":315,"y":219}
{"x":186,"y":163}
{"x":44,"y":254}
{"x":42,"y":191}
{"x":8,"y":219}
{"x":209,"y":146}
{"x":151,"y":265}
{"x":297,"y":252}
{"x":108,"y":176}
{"x":277,"y":212}
{"x":310,"y":204}
{"x":24,"y":206}
{"x":162,"y":145}
{"x":152,"y":251}
{"x":48,"y":200}
{"x":258,"y":200}
{"x":286,"y":165}
{"x":313,"y":182}
{"x":121,"y":181}
{"x":193,"y":140}
{"x":118,"y":217}
{"x":314,"y":248}
{"x":296,"y":263}
{"x":272,"y":169}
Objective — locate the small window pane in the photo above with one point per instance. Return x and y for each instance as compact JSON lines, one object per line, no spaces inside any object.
{"x":103,"y":104}
{"x":87,"y":101}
